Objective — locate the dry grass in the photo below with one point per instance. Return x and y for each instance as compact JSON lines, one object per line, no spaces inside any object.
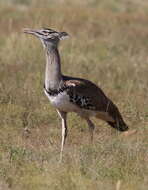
{"x":108,"y":45}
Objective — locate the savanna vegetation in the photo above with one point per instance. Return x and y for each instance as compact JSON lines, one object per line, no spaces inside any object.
{"x":109,"y":46}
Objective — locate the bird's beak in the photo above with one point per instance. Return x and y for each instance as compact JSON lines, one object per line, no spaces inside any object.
{"x":32,"y":31}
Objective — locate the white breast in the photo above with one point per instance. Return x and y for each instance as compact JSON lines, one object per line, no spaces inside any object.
{"x":62,"y":102}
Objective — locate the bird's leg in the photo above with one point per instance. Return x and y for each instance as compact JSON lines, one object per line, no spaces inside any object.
{"x":91,"y":129}
{"x":63,"y":116}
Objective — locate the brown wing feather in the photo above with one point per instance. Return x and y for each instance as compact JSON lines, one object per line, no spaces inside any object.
{"x":84,"y":88}
{"x":97,"y":101}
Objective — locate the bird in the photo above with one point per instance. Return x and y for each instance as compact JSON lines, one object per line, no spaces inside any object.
{"x":72,"y":94}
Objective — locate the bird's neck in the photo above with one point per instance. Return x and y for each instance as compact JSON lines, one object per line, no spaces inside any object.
{"x":53,"y":75}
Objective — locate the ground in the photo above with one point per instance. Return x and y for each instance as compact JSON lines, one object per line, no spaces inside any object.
{"x":107,"y":45}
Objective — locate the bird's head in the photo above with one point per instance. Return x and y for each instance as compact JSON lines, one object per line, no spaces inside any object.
{"x":49,"y":38}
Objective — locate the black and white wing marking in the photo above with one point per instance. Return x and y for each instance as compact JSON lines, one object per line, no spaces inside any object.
{"x":81,"y":101}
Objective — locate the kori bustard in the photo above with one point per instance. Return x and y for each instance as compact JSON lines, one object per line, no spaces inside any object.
{"x":70,"y":94}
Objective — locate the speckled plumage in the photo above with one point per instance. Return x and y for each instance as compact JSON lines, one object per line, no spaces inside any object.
{"x":68,"y":94}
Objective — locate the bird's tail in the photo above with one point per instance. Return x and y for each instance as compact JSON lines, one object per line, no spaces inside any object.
{"x":120,"y":126}
{"x":118,"y":122}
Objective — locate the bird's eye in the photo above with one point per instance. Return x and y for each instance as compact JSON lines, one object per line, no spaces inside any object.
{"x":45,"y":32}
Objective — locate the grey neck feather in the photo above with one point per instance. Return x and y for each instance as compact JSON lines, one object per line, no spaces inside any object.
{"x":53,"y":75}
